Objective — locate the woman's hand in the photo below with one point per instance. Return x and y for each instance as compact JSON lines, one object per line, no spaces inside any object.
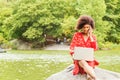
{"x":90,"y":31}
{"x":90,"y":34}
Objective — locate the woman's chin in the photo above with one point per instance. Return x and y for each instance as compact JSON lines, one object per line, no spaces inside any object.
{"x":85,"y":32}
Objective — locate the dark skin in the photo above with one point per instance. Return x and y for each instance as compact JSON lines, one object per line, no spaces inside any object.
{"x":87,"y":32}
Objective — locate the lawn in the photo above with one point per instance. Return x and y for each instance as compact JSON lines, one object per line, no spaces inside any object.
{"x":39,"y":64}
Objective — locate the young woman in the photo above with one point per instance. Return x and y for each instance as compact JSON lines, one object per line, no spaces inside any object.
{"x":84,"y":38}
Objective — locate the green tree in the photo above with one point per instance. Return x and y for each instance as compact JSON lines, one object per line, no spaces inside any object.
{"x":113,"y":17}
{"x":32,"y":21}
{"x":4,"y":13}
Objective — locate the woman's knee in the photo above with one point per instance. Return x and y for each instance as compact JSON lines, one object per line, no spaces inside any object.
{"x":83,"y":63}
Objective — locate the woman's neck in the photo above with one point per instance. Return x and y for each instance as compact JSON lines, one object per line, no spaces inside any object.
{"x":85,"y":34}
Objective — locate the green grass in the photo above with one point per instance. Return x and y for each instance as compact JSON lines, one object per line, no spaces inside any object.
{"x":39,"y":69}
{"x":28,"y":69}
{"x":109,"y":59}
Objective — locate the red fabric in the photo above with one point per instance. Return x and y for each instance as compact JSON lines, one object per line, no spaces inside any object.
{"x":78,"y":41}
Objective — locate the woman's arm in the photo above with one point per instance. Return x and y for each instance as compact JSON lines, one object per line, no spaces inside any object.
{"x":73,"y":43}
{"x":94,"y":43}
{"x":93,"y":39}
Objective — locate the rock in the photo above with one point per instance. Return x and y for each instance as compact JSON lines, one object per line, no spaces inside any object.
{"x":100,"y":73}
{"x":2,"y":50}
{"x":20,"y":45}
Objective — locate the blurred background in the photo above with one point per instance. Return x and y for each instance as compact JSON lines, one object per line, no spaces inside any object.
{"x":35,"y":35}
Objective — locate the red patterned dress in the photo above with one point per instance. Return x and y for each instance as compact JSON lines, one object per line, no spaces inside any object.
{"x":78,"y":41}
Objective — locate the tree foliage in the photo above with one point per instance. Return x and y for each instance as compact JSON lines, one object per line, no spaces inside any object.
{"x":31,"y":20}
{"x":113,"y":17}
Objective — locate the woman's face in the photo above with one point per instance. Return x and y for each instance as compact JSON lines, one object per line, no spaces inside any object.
{"x":86,"y":28}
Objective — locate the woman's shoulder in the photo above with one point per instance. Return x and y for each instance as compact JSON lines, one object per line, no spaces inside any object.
{"x":77,"y":33}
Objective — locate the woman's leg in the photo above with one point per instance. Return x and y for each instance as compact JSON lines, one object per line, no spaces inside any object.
{"x":88,"y":69}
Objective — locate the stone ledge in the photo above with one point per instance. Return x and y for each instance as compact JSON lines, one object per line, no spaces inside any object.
{"x":102,"y":74}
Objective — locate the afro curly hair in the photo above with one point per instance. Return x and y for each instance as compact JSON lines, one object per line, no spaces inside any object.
{"x":83,"y":20}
